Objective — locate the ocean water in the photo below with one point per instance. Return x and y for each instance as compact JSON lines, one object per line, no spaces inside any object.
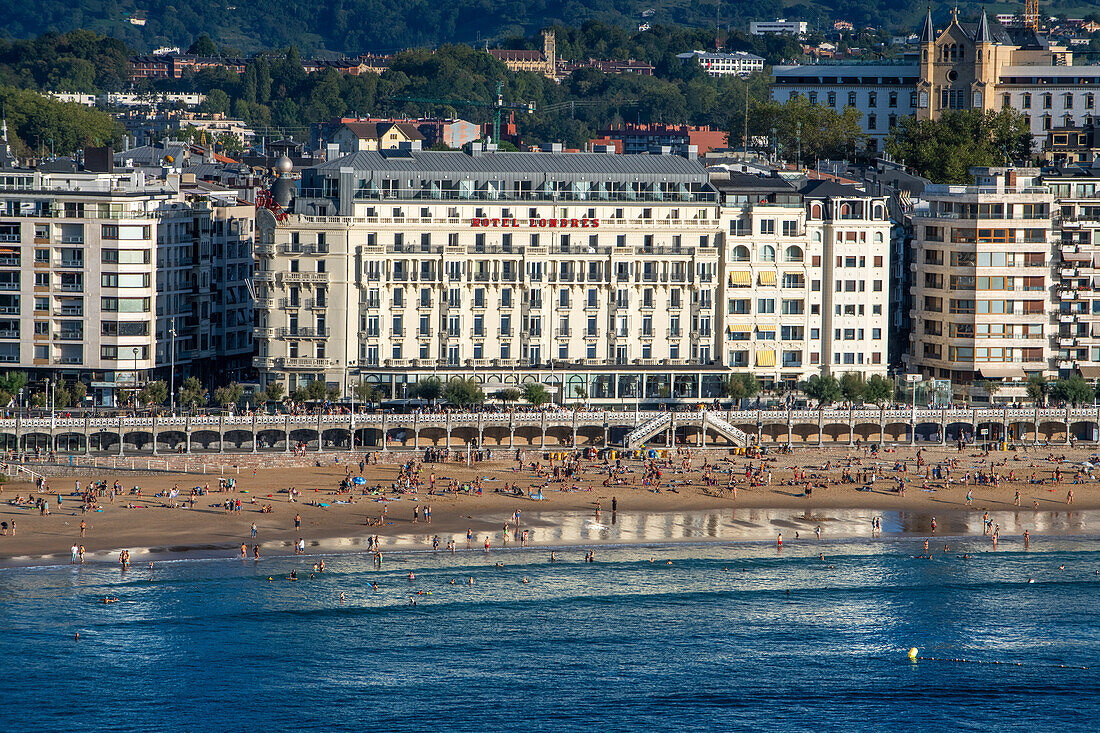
{"x":718,"y":636}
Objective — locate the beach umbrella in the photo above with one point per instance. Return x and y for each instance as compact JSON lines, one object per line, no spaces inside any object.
{"x":359,"y":480}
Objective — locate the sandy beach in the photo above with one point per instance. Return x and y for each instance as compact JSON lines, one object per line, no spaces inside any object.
{"x":375,"y":508}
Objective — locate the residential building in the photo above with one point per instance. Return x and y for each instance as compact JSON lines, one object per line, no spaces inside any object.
{"x":981,"y":65}
{"x":779,"y":27}
{"x":805,"y":278}
{"x":642,"y":138}
{"x":607,"y":66}
{"x":354,"y":136}
{"x":97,"y":270}
{"x":1076,"y":268}
{"x":739,"y":63}
{"x":983,"y":281}
{"x":1072,"y":145}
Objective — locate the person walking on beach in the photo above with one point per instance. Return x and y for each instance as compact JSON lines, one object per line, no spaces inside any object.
{"x":84,"y":527}
{"x":74,"y":550}
{"x":297,"y":522}
{"x":933,"y":525}
{"x":253,"y":530}
{"x":1027,"y":539}
{"x":1069,"y":497}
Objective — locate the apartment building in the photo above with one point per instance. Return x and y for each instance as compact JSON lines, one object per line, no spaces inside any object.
{"x":984,"y":277}
{"x":738,"y":63}
{"x":97,"y":268}
{"x":778,"y":27}
{"x":1076,"y":219}
{"x":805,"y":275}
{"x":587,"y":270}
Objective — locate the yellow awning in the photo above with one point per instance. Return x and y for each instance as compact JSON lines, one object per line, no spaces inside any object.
{"x":765,"y":358}
{"x":767,"y":278}
{"x":765,"y":328}
{"x":739,"y":328}
{"x":740,"y":279}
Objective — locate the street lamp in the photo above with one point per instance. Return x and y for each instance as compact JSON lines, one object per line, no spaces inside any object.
{"x":172,"y":365}
{"x":136,"y":350}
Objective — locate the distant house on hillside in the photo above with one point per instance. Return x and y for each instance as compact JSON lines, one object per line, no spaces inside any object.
{"x":353,"y":137}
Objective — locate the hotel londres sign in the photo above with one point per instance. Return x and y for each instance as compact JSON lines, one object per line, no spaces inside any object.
{"x":536,"y":223}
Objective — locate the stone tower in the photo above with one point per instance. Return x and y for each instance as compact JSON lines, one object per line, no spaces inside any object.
{"x":550,"y":51}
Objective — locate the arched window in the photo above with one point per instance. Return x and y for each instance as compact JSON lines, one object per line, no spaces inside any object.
{"x":815,"y":211}
{"x":768,"y":253}
{"x":845,"y":211}
{"x":817,"y":236}
{"x":740,"y":253}
{"x":793,"y":254}
{"x":878,"y":237}
{"x":879,"y":212}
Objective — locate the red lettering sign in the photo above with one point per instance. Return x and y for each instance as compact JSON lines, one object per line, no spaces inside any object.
{"x":537,"y":223}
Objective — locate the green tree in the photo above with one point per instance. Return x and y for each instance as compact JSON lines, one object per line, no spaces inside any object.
{"x":580,"y":392}
{"x":153,"y":393}
{"x":990,"y":387}
{"x":740,"y":386}
{"x":192,"y":394}
{"x":878,"y":390}
{"x":274,"y":392}
{"x":535,"y":394}
{"x":203,"y":46}
{"x":216,"y":102}
{"x":430,"y":389}
{"x":815,"y":129}
{"x":10,"y":384}
{"x":1075,"y":390}
{"x":826,"y":389}
{"x":508,"y":394}
{"x":367,"y":393}
{"x":228,"y":395}
{"x":944,"y":150}
{"x":316,"y":391}
{"x":852,"y":386}
{"x":79,"y":392}
{"x":1037,"y":388}
{"x":463,"y":392}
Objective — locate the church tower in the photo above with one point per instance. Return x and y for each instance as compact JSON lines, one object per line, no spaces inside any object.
{"x":927,"y":42}
{"x":550,"y":51}
{"x":985,"y":66}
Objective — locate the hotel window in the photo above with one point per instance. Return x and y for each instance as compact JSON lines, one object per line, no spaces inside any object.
{"x":1027,"y":101}
{"x":1048,"y":100}
{"x":1006,"y":101}
{"x":893,"y":99}
{"x":872,"y":122}
{"x":1090,"y":99}
{"x":812,"y":97}
{"x":1067,"y":100}
{"x":832,"y":99}
{"x":872,"y":99}
{"x":851,"y":99}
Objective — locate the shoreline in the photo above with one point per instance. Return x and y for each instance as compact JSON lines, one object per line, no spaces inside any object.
{"x":156,"y":513}
{"x":797,"y":530}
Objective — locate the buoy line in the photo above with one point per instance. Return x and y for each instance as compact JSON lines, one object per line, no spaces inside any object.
{"x":1007,"y":664}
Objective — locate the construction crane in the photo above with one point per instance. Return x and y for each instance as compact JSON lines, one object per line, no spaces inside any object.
{"x":499,"y":105}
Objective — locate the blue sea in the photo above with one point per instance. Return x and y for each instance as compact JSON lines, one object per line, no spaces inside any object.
{"x":710,"y":636}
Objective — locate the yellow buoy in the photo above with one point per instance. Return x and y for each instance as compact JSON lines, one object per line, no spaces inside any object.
{"x":913,"y":653}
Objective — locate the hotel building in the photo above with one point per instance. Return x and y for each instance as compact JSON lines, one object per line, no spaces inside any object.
{"x":605,"y":275}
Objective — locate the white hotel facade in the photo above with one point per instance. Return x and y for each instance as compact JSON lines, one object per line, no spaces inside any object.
{"x":611,"y":276}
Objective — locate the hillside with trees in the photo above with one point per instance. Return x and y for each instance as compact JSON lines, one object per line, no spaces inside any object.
{"x":357,"y":26}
